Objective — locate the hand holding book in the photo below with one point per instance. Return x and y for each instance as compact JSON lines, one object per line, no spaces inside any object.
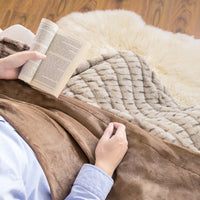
{"x":64,"y":53}
{"x":10,"y":65}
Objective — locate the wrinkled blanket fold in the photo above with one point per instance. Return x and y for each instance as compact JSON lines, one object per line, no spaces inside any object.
{"x":64,"y":132}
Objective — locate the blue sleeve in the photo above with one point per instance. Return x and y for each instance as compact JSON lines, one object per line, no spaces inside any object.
{"x":11,"y":183}
{"x":18,"y":166}
{"x":91,"y":184}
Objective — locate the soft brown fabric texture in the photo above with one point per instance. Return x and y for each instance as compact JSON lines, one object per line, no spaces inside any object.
{"x":9,"y":46}
{"x":64,"y":132}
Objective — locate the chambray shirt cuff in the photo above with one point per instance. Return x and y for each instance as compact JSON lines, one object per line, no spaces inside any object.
{"x":94,"y":180}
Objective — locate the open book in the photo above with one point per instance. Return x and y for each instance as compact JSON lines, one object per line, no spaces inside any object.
{"x":63,"y":55}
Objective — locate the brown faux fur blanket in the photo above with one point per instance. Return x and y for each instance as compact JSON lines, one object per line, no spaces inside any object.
{"x":9,"y":46}
{"x":64,"y":132}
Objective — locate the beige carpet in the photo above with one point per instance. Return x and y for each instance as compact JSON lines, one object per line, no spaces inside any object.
{"x":174,"y":57}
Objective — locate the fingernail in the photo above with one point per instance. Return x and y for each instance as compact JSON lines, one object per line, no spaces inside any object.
{"x":43,"y":56}
{"x":111,"y":126}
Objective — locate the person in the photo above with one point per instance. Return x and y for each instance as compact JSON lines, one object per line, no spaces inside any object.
{"x":21,"y":176}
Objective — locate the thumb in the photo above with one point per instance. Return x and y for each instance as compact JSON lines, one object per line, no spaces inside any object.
{"x":28,"y":55}
{"x":18,"y":59}
{"x":108,"y":132}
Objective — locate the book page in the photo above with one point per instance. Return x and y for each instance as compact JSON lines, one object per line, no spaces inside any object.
{"x":45,"y":34}
{"x":62,"y":57}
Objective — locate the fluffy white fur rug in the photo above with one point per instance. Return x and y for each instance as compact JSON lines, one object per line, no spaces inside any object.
{"x":174,"y":57}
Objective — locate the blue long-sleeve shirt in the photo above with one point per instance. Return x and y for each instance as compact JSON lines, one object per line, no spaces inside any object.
{"x":21,"y":176}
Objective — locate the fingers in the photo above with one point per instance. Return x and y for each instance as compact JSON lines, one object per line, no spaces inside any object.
{"x":111,"y":148}
{"x":10,"y":74}
{"x":18,"y":59}
{"x":9,"y":66}
{"x":108,"y":132}
{"x":120,"y":129}
{"x":120,"y":135}
{"x":29,"y":55}
{"x":115,"y":129}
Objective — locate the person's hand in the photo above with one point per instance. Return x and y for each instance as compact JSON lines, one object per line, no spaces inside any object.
{"x":10,"y":66}
{"x":111,"y":148}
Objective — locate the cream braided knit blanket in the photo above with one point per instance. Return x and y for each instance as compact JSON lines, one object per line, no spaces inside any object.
{"x":125,"y":85}
{"x":174,"y":57}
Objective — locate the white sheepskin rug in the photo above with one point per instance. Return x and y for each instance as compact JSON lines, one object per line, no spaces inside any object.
{"x":174,"y":57}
